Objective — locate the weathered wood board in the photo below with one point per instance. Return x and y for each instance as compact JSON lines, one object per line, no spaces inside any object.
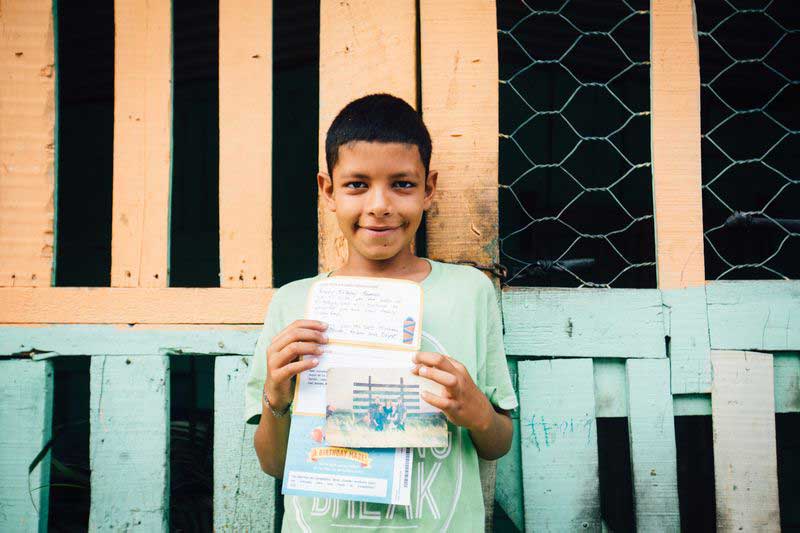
{"x":675,"y":125}
{"x":245,"y":143}
{"x":244,"y":496}
{"x":559,"y":445}
{"x":585,"y":322}
{"x":26,"y":414}
{"x":745,"y":457}
{"x":508,"y":486}
{"x":142,"y":143}
{"x":686,"y":325}
{"x":122,"y":339}
{"x":651,"y":430}
{"x":27,"y":143}
{"x":104,"y":305}
{"x":129,"y":420}
{"x":754,"y":315}
{"x":458,"y":58}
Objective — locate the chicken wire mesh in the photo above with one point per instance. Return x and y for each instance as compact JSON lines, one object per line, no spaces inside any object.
{"x":750,"y":152}
{"x":576,"y":206}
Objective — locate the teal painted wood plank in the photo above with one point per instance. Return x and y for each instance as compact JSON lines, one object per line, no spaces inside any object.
{"x":609,"y":388}
{"x":745,"y":456}
{"x":651,"y":430}
{"x":787,"y":382}
{"x":754,"y":315}
{"x":691,"y":405}
{"x":559,"y":445}
{"x":129,"y":443}
{"x":508,"y":486}
{"x":686,"y":323}
{"x":80,"y":339}
{"x":26,"y":416}
{"x":244,"y":496}
{"x":584,"y":322}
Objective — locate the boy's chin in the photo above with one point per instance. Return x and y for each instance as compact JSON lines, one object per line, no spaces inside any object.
{"x":379,"y":253}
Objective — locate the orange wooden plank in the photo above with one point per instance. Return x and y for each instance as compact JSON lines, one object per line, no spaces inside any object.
{"x":104,"y":305}
{"x":675,"y":101}
{"x":245,"y":143}
{"x":27,"y":123}
{"x":142,"y":139}
{"x":458,"y":45}
{"x":365,"y":47}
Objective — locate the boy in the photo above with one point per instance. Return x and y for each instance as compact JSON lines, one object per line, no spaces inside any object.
{"x":378,"y":184}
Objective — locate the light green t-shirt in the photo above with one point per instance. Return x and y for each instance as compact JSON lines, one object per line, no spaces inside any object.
{"x":461,"y":318}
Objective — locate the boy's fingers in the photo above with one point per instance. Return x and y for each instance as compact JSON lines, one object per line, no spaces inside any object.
{"x":437,"y":401}
{"x":439,"y":376}
{"x":298,"y":334}
{"x":292,"y":369}
{"x":293,"y":351}
{"x":437,"y":360}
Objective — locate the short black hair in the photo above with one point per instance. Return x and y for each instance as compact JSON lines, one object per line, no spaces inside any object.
{"x":377,"y":118}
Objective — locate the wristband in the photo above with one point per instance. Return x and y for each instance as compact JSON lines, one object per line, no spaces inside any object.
{"x":275,"y":413}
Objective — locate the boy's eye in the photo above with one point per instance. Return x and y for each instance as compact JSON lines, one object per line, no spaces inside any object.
{"x":404,"y":184}
{"x":355,"y":185}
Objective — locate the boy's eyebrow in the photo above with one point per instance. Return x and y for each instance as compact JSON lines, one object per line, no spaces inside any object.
{"x":358,"y":175}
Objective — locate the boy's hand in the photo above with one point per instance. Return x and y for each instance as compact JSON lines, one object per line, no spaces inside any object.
{"x":462,"y":402}
{"x":301,"y":337}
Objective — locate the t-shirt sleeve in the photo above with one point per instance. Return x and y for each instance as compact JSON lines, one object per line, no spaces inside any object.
{"x":257,"y":374}
{"x":494,"y":378}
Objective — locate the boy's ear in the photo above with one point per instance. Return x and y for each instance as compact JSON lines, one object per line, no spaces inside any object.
{"x":430,"y":189}
{"x":325,"y":185}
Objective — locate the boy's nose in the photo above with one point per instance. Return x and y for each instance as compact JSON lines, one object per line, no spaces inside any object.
{"x":379,"y":204}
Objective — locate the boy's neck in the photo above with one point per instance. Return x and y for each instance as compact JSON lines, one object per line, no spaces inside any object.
{"x":402,"y":266}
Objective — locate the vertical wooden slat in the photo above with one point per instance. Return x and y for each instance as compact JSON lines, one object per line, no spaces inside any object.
{"x":129,"y":443}
{"x":745,"y":457}
{"x":651,"y":429}
{"x":27,"y":127}
{"x":559,"y":445}
{"x":245,"y":143}
{"x":677,"y":180}
{"x":365,"y":47}
{"x":509,"y":492}
{"x":675,"y":123}
{"x":142,"y":143}
{"x":244,"y":496}
{"x":458,"y":50}
{"x":686,"y":325}
{"x":26,"y":400}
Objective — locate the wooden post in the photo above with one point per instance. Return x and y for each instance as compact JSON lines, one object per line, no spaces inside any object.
{"x":458,"y":50}
{"x":129,"y":443}
{"x":365,"y":47}
{"x":245,"y":143}
{"x":26,"y":415}
{"x":27,"y":141}
{"x":559,"y":445}
{"x":142,"y":143}
{"x":651,"y":430}
{"x":244,"y":496}
{"x":677,"y":193}
{"x":745,"y":456}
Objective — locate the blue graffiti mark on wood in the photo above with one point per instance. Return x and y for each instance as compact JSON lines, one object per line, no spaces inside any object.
{"x":544,"y":432}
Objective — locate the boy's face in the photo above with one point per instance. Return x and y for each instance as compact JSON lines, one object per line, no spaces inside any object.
{"x":378,"y":193}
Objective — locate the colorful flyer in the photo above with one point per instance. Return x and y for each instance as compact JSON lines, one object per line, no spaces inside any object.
{"x":372,"y":323}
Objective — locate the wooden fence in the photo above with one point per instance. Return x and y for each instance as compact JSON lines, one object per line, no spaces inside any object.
{"x":731,"y":348}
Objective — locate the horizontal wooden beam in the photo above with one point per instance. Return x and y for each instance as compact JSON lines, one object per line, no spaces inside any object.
{"x":43,"y":341}
{"x":754,"y":315}
{"x":584,"y":323}
{"x":105,"y":305}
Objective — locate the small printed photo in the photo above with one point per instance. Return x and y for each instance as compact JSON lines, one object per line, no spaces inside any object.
{"x":382,"y":408}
